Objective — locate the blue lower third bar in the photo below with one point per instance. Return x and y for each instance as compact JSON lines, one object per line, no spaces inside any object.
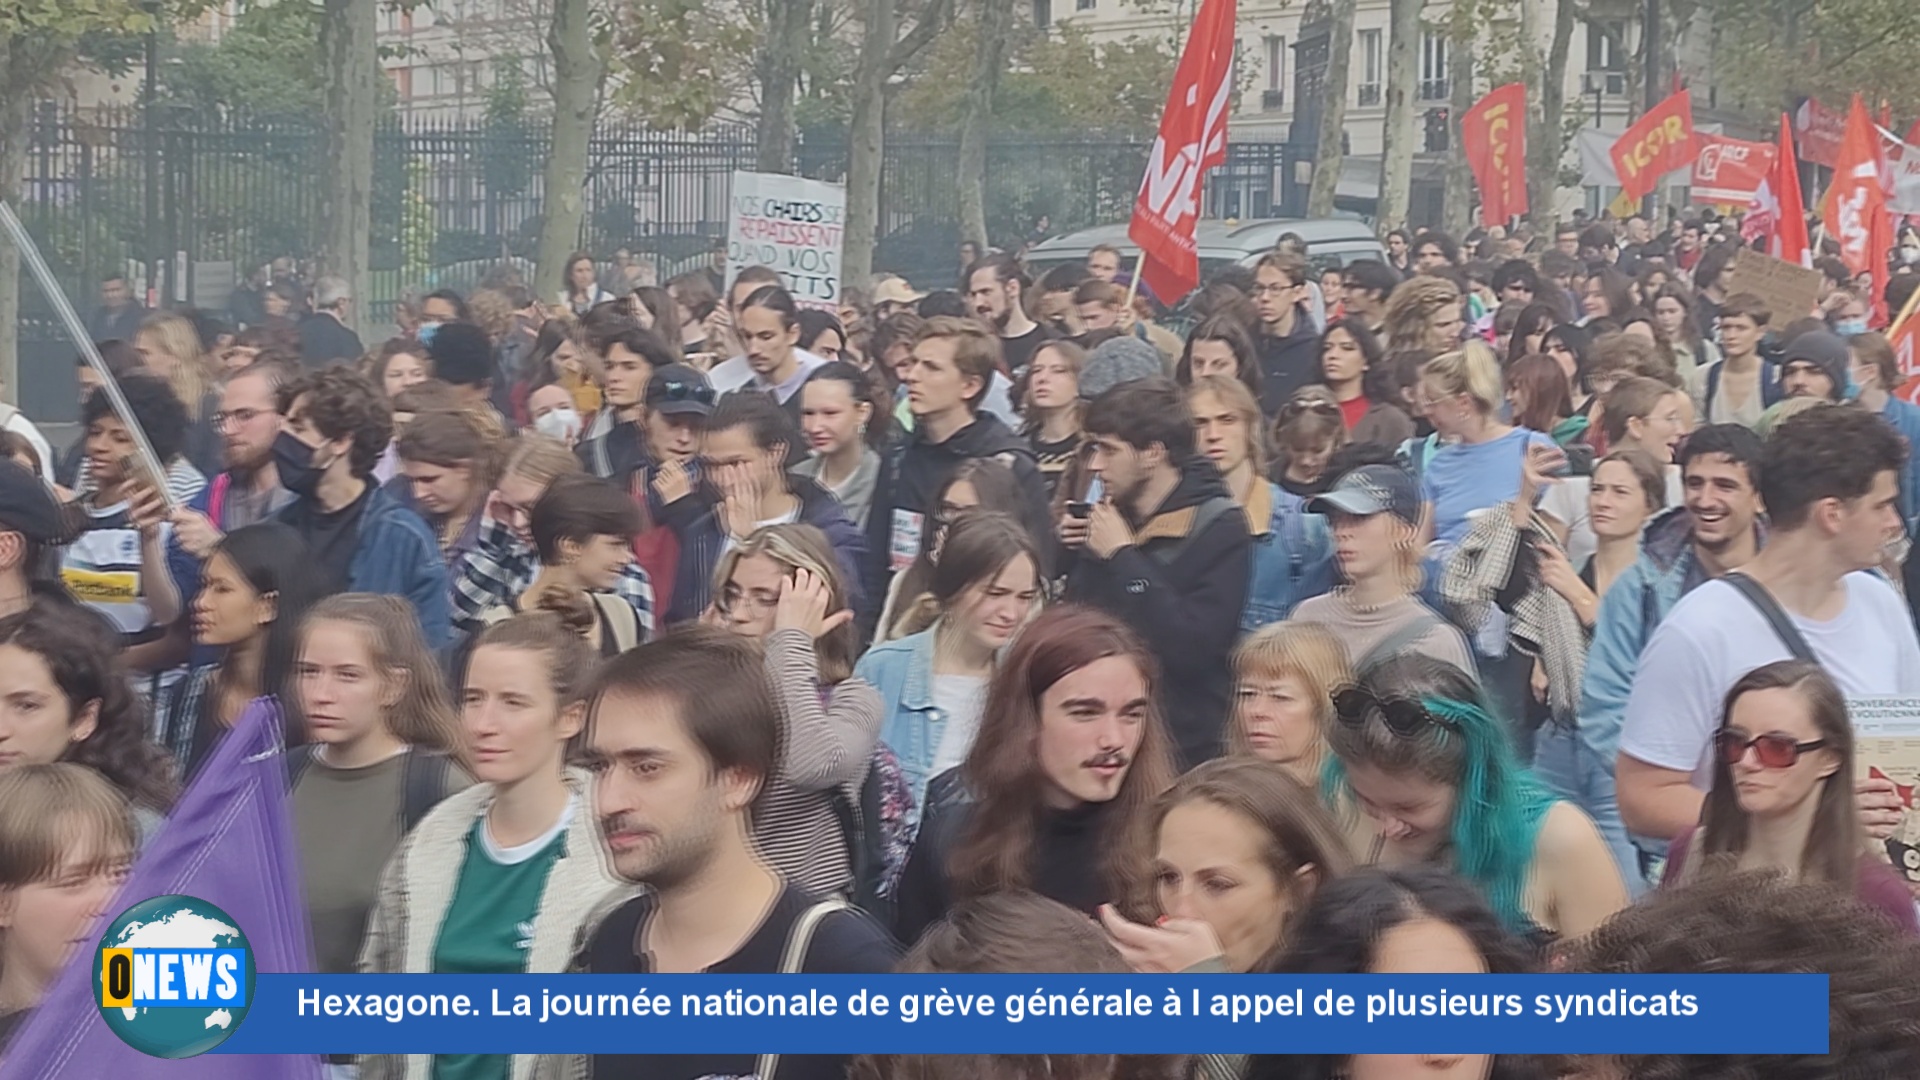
{"x":1030,"y":1014}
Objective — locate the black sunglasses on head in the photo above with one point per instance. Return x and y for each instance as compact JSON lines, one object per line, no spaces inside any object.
{"x":1403,"y":717}
{"x":675,"y":390}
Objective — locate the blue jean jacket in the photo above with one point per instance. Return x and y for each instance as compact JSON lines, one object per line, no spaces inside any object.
{"x":902,"y":671}
{"x":1292,"y":559}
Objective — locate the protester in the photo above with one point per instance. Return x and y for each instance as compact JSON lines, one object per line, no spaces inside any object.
{"x":257,"y":585}
{"x":1741,"y":385}
{"x":1539,"y":398}
{"x":1828,"y":482}
{"x":1424,"y":313}
{"x":1781,"y":797}
{"x":996,"y":287}
{"x":1242,"y":849}
{"x":499,"y":878}
{"x":1480,"y":465}
{"x":768,"y":324}
{"x":1352,"y":368}
{"x":1418,"y":753}
{"x":325,"y":335}
{"x":248,"y":491}
{"x":1056,"y":793}
{"x":582,"y":292}
{"x":383,"y":733}
{"x":1367,"y":285}
{"x":1166,"y":549}
{"x":362,"y":539}
{"x":933,"y":683}
{"x":1285,"y":676}
{"x":68,"y":700}
{"x":1288,"y":341}
{"x":847,"y":423}
{"x":1571,"y":348}
{"x":170,"y":350}
{"x":1529,"y":333}
{"x":684,"y":738}
{"x":1052,"y":411}
{"x":450,"y":464}
{"x":582,"y":531}
{"x":1292,"y":553}
{"x":66,"y":842}
{"x":30,"y":524}
{"x":1814,"y":364}
{"x":1307,"y":432}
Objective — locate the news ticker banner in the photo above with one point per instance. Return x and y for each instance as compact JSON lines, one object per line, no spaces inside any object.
{"x":1029,"y":1014}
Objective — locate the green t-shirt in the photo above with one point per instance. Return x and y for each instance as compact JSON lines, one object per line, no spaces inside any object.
{"x":489,"y":924}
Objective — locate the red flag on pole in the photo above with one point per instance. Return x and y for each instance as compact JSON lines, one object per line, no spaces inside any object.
{"x":1192,"y":139}
{"x":1658,"y":143}
{"x":1778,"y":211}
{"x":1494,"y":135}
{"x":1855,"y":212}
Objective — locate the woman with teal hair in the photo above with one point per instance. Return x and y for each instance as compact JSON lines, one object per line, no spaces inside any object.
{"x":1421,"y":757}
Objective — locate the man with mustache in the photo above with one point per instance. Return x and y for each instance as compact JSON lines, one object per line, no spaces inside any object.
{"x":683,"y":735}
{"x":1054,"y":796}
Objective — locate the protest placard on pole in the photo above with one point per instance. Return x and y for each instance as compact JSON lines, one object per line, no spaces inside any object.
{"x":793,"y":226}
{"x":1791,"y":292}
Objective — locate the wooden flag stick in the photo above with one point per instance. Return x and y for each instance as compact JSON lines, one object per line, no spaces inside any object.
{"x":1133,"y":283}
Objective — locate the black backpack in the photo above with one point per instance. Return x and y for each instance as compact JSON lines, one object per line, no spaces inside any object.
{"x":422,"y":783}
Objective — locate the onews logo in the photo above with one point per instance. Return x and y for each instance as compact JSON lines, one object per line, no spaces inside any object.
{"x":173,"y":976}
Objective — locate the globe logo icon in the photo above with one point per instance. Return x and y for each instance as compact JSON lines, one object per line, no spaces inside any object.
{"x":173,"y":976}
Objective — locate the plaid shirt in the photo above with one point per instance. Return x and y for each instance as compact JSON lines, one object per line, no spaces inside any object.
{"x":500,"y":567}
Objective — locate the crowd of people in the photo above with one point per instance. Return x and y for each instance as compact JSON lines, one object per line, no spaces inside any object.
{"x":1489,"y":607}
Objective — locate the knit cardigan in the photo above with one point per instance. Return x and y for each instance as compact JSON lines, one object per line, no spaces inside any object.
{"x":1480,"y":574}
{"x":417,"y":886}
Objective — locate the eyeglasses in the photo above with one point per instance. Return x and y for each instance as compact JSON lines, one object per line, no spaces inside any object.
{"x":237,"y":416}
{"x":733,"y":598}
{"x":675,"y":390}
{"x":1403,"y":717}
{"x":1273,"y":290}
{"x":1772,"y":750}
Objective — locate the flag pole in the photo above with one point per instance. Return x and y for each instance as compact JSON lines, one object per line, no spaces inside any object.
{"x":1133,"y":283}
{"x":30,"y":254}
{"x":1906,"y":313}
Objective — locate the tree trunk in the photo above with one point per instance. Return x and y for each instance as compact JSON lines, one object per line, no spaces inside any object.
{"x":1457,"y":206}
{"x":1403,"y":72}
{"x":1547,"y":144}
{"x":13,"y":170}
{"x":989,"y":57}
{"x":347,"y":48}
{"x":866,"y":143}
{"x":576,"y":85}
{"x":788,"y":25}
{"x":1330,"y":154}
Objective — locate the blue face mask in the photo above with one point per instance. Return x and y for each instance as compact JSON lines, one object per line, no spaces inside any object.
{"x":1848,"y":328}
{"x":1852,"y":391}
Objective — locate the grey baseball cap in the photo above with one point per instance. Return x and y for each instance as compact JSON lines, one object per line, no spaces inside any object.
{"x":1369,"y":490}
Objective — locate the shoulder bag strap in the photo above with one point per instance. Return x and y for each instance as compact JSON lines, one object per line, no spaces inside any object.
{"x":799,"y":940}
{"x":422,"y":780}
{"x":1769,"y":608}
{"x":620,"y":618}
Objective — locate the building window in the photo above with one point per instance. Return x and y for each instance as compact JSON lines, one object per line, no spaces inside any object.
{"x":1042,"y":13}
{"x":1602,"y":53}
{"x":1276,"y":63}
{"x":1433,"y":67}
{"x":1370,"y":67}
{"x":1083,"y":5}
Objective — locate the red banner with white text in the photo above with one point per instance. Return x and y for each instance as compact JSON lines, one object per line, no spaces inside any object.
{"x":1192,"y":139}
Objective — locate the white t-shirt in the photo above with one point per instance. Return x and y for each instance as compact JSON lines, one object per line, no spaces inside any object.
{"x":1714,"y":636}
{"x":961,"y":698}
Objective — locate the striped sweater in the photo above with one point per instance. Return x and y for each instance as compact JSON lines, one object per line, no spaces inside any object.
{"x":827,"y":736}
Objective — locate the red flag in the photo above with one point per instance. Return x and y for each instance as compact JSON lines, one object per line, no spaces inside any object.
{"x":1658,"y":143}
{"x":1728,"y":172}
{"x":1856,"y":208}
{"x":1778,"y":212}
{"x":1192,"y":139}
{"x":1494,"y":135}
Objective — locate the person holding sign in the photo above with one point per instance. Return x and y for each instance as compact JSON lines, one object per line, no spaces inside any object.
{"x":1780,"y":798}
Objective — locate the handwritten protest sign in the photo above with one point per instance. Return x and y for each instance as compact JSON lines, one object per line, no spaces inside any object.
{"x":1887,"y":747}
{"x":793,"y":226}
{"x":1790,"y":291}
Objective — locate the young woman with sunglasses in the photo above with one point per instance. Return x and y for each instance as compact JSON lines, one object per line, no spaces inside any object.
{"x":1427,"y":775}
{"x":1308,"y":429}
{"x":1782,"y":796}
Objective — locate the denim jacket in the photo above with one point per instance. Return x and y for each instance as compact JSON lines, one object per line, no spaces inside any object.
{"x":1904,"y":417}
{"x":1292,"y":556}
{"x":902,"y":671}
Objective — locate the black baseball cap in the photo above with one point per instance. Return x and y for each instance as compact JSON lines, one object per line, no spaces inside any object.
{"x":680,"y":388}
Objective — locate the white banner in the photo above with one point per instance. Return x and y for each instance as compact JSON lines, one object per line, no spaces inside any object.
{"x":792,"y":225}
{"x":1903,"y":161}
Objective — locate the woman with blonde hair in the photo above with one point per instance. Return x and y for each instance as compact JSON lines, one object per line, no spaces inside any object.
{"x":1285,"y":676}
{"x":169,"y":347}
{"x":500,"y":878}
{"x":784,"y":588}
{"x":385,"y":737}
{"x":1424,"y":313}
{"x":1478,"y":464}
{"x":66,"y":842}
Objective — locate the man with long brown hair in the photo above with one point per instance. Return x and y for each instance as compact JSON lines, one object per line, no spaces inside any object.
{"x":1055,"y":795}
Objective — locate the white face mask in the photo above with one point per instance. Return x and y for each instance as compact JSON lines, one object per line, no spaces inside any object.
{"x":562,"y":424}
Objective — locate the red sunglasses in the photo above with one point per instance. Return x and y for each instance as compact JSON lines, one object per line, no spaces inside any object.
{"x":1772,"y":750}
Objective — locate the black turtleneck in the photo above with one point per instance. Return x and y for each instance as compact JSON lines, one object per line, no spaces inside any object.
{"x":1066,"y":856}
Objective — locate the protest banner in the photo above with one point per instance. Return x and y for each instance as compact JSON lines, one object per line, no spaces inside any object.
{"x":1658,"y":143}
{"x":1192,"y":139}
{"x":1820,"y":131}
{"x":793,"y":226}
{"x":1791,"y":292}
{"x":1887,"y":747}
{"x":1777,"y":213}
{"x":1727,"y":172}
{"x":1494,"y":133}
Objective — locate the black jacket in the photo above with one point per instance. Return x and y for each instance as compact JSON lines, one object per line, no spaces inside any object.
{"x":910,"y":482}
{"x":1067,"y":847}
{"x":1181,"y":586}
{"x":324,"y":339}
{"x":1288,"y":363}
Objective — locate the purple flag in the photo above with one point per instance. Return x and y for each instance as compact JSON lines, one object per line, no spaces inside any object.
{"x":229,"y":841}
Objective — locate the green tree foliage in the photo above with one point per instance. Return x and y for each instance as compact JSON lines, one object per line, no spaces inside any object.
{"x":267,"y":65}
{"x":674,"y":65}
{"x":1060,"y":82}
{"x":1769,"y":52}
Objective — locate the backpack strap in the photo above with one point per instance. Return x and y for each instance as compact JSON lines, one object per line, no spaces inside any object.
{"x":297,"y":758}
{"x":423,"y":780}
{"x":1713,"y":388}
{"x":1398,"y":641}
{"x":1776,"y":616}
{"x":799,"y":940}
{"x":217,"y":499}
{"x":1209,"y":512}
{"x":621,"y":620}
